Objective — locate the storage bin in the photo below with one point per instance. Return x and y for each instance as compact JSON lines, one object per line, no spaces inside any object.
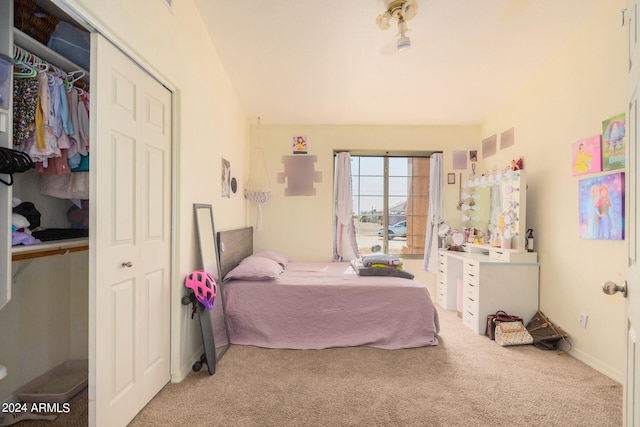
{"x":72,"y":43}
{"x":58,"y":385}
{"x":5,"y":82}
{"x":33,"y":20}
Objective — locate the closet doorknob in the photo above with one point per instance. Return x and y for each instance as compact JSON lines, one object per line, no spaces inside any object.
{"x":127,"y":264}
{"x":611,"y":288}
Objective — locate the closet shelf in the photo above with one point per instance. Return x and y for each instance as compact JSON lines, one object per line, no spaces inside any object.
{"x":59,"y":247}
{"x":27,"y":42}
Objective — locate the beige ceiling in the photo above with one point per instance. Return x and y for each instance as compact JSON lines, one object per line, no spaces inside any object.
{"x":326,"y":61}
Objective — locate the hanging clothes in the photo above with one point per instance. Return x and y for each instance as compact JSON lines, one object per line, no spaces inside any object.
{"x":51,"y":117}
{"x":25,"y":98}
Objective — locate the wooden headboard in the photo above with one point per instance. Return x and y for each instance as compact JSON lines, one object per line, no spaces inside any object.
{"x":234,"y":246}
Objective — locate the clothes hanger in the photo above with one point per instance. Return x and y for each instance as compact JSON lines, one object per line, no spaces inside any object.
{"x":72,"y":77}
{"x":21,"y":67}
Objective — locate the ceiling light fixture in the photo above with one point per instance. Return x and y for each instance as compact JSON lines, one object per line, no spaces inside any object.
{"x":403,"y":11}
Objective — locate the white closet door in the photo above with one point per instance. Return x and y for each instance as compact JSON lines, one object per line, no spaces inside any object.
{"x":131,"y":212}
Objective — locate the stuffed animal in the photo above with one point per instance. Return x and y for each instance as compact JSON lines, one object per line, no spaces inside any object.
{"x":516,"y":164}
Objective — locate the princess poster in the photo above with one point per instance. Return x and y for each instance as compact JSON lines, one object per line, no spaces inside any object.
{"x":299,"y":145}
{"x":586,"y":156}
{"x":601,"y":207}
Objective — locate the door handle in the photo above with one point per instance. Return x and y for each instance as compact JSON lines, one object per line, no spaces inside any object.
{"x":611,"y":288}
{"x":127,"y":264}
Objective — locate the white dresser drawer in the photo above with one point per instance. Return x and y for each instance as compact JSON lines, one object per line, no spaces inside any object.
{"x":512,"y":255}
{"x":471,"y":273}
{"x":470,"y":305}
{"x":471,"y":278}
{"x":471,"y":267}
{"x":471,"y":290}
{"x":470,"y":319}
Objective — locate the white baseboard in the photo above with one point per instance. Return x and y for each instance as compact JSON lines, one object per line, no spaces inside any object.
{"x":596,"y":364}
{"x":185,"y":367}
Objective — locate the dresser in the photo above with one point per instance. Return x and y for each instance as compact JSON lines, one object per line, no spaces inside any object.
{"x":489,"y":280}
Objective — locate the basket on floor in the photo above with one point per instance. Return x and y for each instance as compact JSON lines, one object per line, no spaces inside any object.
{"x":33,"y":20}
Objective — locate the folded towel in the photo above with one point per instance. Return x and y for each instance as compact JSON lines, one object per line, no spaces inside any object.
{"x":386,"y":259}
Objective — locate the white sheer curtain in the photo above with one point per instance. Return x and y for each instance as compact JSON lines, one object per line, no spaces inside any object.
{"x":434,"y":217}
{"x":345,"y":247}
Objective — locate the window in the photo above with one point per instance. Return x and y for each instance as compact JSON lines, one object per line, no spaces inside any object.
{"x":390,"y":203}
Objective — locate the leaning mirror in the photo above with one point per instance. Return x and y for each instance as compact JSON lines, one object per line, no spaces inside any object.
{"x":213,"y":322}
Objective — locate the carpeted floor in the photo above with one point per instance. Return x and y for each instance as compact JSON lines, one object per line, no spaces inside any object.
{"x":467,"y":380}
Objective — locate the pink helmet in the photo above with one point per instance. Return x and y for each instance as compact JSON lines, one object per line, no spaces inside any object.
{"x":204,"y":287}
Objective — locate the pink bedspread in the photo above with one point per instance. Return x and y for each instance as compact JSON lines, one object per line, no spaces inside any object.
{"x":322,"y":305}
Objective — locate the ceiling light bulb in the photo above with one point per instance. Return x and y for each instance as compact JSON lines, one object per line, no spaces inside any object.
{"x":404,"y":43}
{"x":383,"y":21}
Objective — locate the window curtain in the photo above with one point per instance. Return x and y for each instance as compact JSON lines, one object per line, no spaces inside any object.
{"x":345,"y":247}
{"x":434,"y":217}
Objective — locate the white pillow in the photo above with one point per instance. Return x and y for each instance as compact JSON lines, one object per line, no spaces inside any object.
{"x":255,"y":268}
{"x":278,"y":257}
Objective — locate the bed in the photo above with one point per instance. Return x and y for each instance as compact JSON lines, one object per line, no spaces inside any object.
{"x":317,"y":305}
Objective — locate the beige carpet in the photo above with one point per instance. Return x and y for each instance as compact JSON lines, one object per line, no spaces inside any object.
{"x":467,"y":380}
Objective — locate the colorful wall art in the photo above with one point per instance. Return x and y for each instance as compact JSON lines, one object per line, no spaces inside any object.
{"x":299,"y":145}
{"x":601,"y":207}
{"x":613,"y":148}
{"x":586,"y":155}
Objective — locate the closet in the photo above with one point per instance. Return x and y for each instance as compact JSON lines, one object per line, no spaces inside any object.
{"x":103,"y":298}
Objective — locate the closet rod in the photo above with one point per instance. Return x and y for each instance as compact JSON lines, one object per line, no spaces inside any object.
{"x":24,"y":57}
{"x":51,"y":57}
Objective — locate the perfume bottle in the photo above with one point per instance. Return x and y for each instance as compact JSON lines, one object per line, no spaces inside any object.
{"x":530,"y":240}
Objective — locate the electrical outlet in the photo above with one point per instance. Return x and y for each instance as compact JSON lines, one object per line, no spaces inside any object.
{"x":583,"y":320}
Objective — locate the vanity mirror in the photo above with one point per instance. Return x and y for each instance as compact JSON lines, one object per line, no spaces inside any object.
{"x":213,"y":322}
{"x":497,"y":206}
{"x":474,"y":206}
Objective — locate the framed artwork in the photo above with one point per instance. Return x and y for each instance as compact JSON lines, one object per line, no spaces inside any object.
{"x":473,"y":156}
{"x":451,"y":178}
{"x":601,"y":207}
{"x":299,"y":145}
{"x":507,"y":139}
{"x":586,"y":155}
{"x":459,"y":160}
{"x":489,"y":148}
{"x":226,"y":178}
{"x":613,"y":148}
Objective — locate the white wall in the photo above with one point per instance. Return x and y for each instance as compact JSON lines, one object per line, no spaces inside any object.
{"x":584,"y":84}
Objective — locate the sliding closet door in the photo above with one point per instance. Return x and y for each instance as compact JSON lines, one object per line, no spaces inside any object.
{"x":131,"y":212}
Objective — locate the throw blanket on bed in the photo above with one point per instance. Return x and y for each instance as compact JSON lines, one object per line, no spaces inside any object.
{"x":323,"y":305}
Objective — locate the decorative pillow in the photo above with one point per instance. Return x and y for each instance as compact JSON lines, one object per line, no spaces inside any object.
{"x":278,"y":257}
{"x":255,"y":268}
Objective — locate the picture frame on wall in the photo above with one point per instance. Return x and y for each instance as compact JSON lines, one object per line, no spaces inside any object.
{"x":226,"y":179}
{"x":601,"y":207}
{"x":451,"y":178}
{"x":613,"y":147}
{"x":299,"y":145}
{"x":586,"y":156}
